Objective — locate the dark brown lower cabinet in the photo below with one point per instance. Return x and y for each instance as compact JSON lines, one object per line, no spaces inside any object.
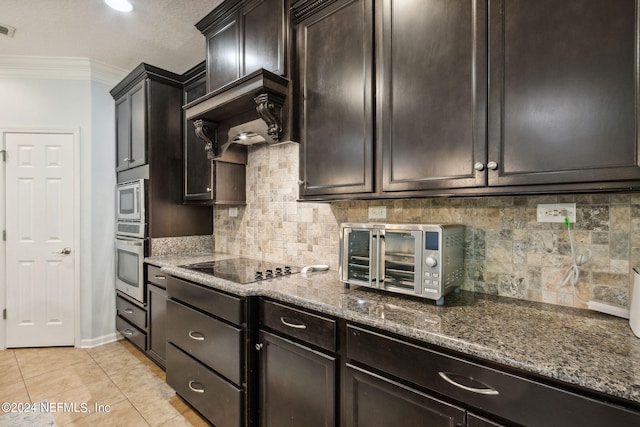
{"x":297,"y":384}
{"x":218,"y":400}
{"x":471,"y":385}
{"x":375,"y":401}
{"x":157,"y":309}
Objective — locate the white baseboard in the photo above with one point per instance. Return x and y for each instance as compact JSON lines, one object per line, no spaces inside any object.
{"x":95,"y":342}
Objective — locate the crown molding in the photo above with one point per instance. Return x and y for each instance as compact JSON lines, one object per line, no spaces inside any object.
{"x":59,"y":68}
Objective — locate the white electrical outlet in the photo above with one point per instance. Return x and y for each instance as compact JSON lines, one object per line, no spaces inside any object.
{"x":377,"y":212}
{"x":556,"y":212}
{"x":233,"y":212}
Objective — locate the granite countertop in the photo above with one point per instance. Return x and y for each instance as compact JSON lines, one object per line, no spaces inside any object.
{"x":580,"y":347}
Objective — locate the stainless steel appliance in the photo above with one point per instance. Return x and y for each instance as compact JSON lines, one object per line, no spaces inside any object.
{"x":416,"y":259}
{"x":130,"y":253}
{"x":131,"y":213}
{"x":243,"y":270}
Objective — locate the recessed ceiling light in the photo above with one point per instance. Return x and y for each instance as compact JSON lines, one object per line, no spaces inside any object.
{"x":120,"y":5}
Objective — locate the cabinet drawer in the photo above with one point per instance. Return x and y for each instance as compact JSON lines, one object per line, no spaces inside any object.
{"x":505,"y":395}
{"x":211,"y":341}
{"x":221,"y":305}
{"x":131,"y":333}
{"x":156,"y":276}
{"x":131,"y":312}
{"x":213,"y":397}
{"x":305,"y":326}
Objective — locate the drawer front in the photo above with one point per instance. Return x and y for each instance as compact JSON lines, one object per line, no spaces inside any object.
{"x":221,"y":305}
{"x":156,"y":276}
{"x":212,"y":396}
{"x":511,"y":397}
{"x":211,"y":341}
{"x":305,"y":326}
{"x":131,"y":333}
{"x":131,"y":312}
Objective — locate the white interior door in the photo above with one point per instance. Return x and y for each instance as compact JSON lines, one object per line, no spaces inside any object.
{"x":40,"y":258}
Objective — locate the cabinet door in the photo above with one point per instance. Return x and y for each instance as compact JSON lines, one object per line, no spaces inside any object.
{"x":334,"y":49}
{"x":374,"y":401}
{"x":431,"y":58}
{"x":157,"y":309}
{"x":197,"y":167}
{"x":123,"y":137}
{"x":263,"y":34}
{"x":138,"y":97}
{"x":223,"y":53}
{"x":563,"y":78}
{"x":297,"y":385}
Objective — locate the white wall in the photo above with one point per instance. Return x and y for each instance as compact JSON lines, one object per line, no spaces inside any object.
{"x":73,"y":93}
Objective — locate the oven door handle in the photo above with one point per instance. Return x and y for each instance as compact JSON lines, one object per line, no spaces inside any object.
{"x":130,"y":242}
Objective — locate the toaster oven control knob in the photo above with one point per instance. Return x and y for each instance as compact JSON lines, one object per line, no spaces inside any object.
{"x":431,"y":261}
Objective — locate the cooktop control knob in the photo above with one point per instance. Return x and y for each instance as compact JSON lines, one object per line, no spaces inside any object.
{"x":431,"y":261}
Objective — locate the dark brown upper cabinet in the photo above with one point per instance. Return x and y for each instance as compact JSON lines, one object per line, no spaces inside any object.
{"x":131,"y":125}
{"x":564,"y":89}
{"x":146,"y":102}
{"x":431,"y":105}
{"x":334,"y":61}
{"x":470,"y":98}
{"x":244,"y":36}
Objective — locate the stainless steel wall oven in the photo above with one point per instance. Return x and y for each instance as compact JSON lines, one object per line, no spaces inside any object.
{"x":130,"y":254}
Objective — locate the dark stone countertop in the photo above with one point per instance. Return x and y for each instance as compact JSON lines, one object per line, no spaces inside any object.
{"x":584,"y":348}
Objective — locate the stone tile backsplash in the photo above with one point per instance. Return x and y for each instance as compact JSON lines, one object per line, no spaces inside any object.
{"x":507,"y":252}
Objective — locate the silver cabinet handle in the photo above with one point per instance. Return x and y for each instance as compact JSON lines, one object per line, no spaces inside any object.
{"x":293,"y":325}
{"x":126,"y":159}
{"x":159,"y":277}
{"x":198,"y":389}
{"x":492,"y":165}
{"x":128,"y":332}
{"x":259,"y":346}
{"x":485,"y":391}
{"x":198,"y":336}
{"x":128,"y":311}
{"x":208,"y":189}
{"x":479,"y":166}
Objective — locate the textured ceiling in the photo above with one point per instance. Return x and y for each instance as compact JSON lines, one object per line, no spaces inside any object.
{"x":158,"y":32}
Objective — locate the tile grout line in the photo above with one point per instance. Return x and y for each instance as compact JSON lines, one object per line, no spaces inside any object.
{"x":126,"y":397}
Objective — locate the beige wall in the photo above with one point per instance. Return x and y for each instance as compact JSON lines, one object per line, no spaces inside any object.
{"x":507,"y":252}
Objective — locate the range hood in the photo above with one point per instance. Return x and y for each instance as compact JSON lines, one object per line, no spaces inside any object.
{"x":247,"y":111}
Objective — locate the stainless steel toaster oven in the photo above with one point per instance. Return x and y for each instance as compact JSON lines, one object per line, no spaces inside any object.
{"x":417,"y":259}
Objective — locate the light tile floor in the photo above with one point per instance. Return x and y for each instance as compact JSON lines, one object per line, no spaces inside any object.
{"x":116,"y":374}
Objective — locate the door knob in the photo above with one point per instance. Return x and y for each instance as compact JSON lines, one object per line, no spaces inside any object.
{"x":65,"y":251}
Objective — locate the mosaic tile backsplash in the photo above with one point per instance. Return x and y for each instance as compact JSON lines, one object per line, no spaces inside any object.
{"x":507,"y":252}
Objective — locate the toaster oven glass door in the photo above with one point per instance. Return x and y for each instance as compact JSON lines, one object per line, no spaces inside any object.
{"x":400,"y":260}
{"x":360,"y":256}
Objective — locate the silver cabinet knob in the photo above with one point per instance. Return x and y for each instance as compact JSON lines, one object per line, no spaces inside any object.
{"x":479,"y":166}
{"x":126,"y":159}
{"x":208,"y":189}
{"x":492,"y":165}
{"x":259,"y":346}
{"x":300,"y":182}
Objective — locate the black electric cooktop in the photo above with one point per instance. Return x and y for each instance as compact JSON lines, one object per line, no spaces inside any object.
{"x":242,"y":270}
